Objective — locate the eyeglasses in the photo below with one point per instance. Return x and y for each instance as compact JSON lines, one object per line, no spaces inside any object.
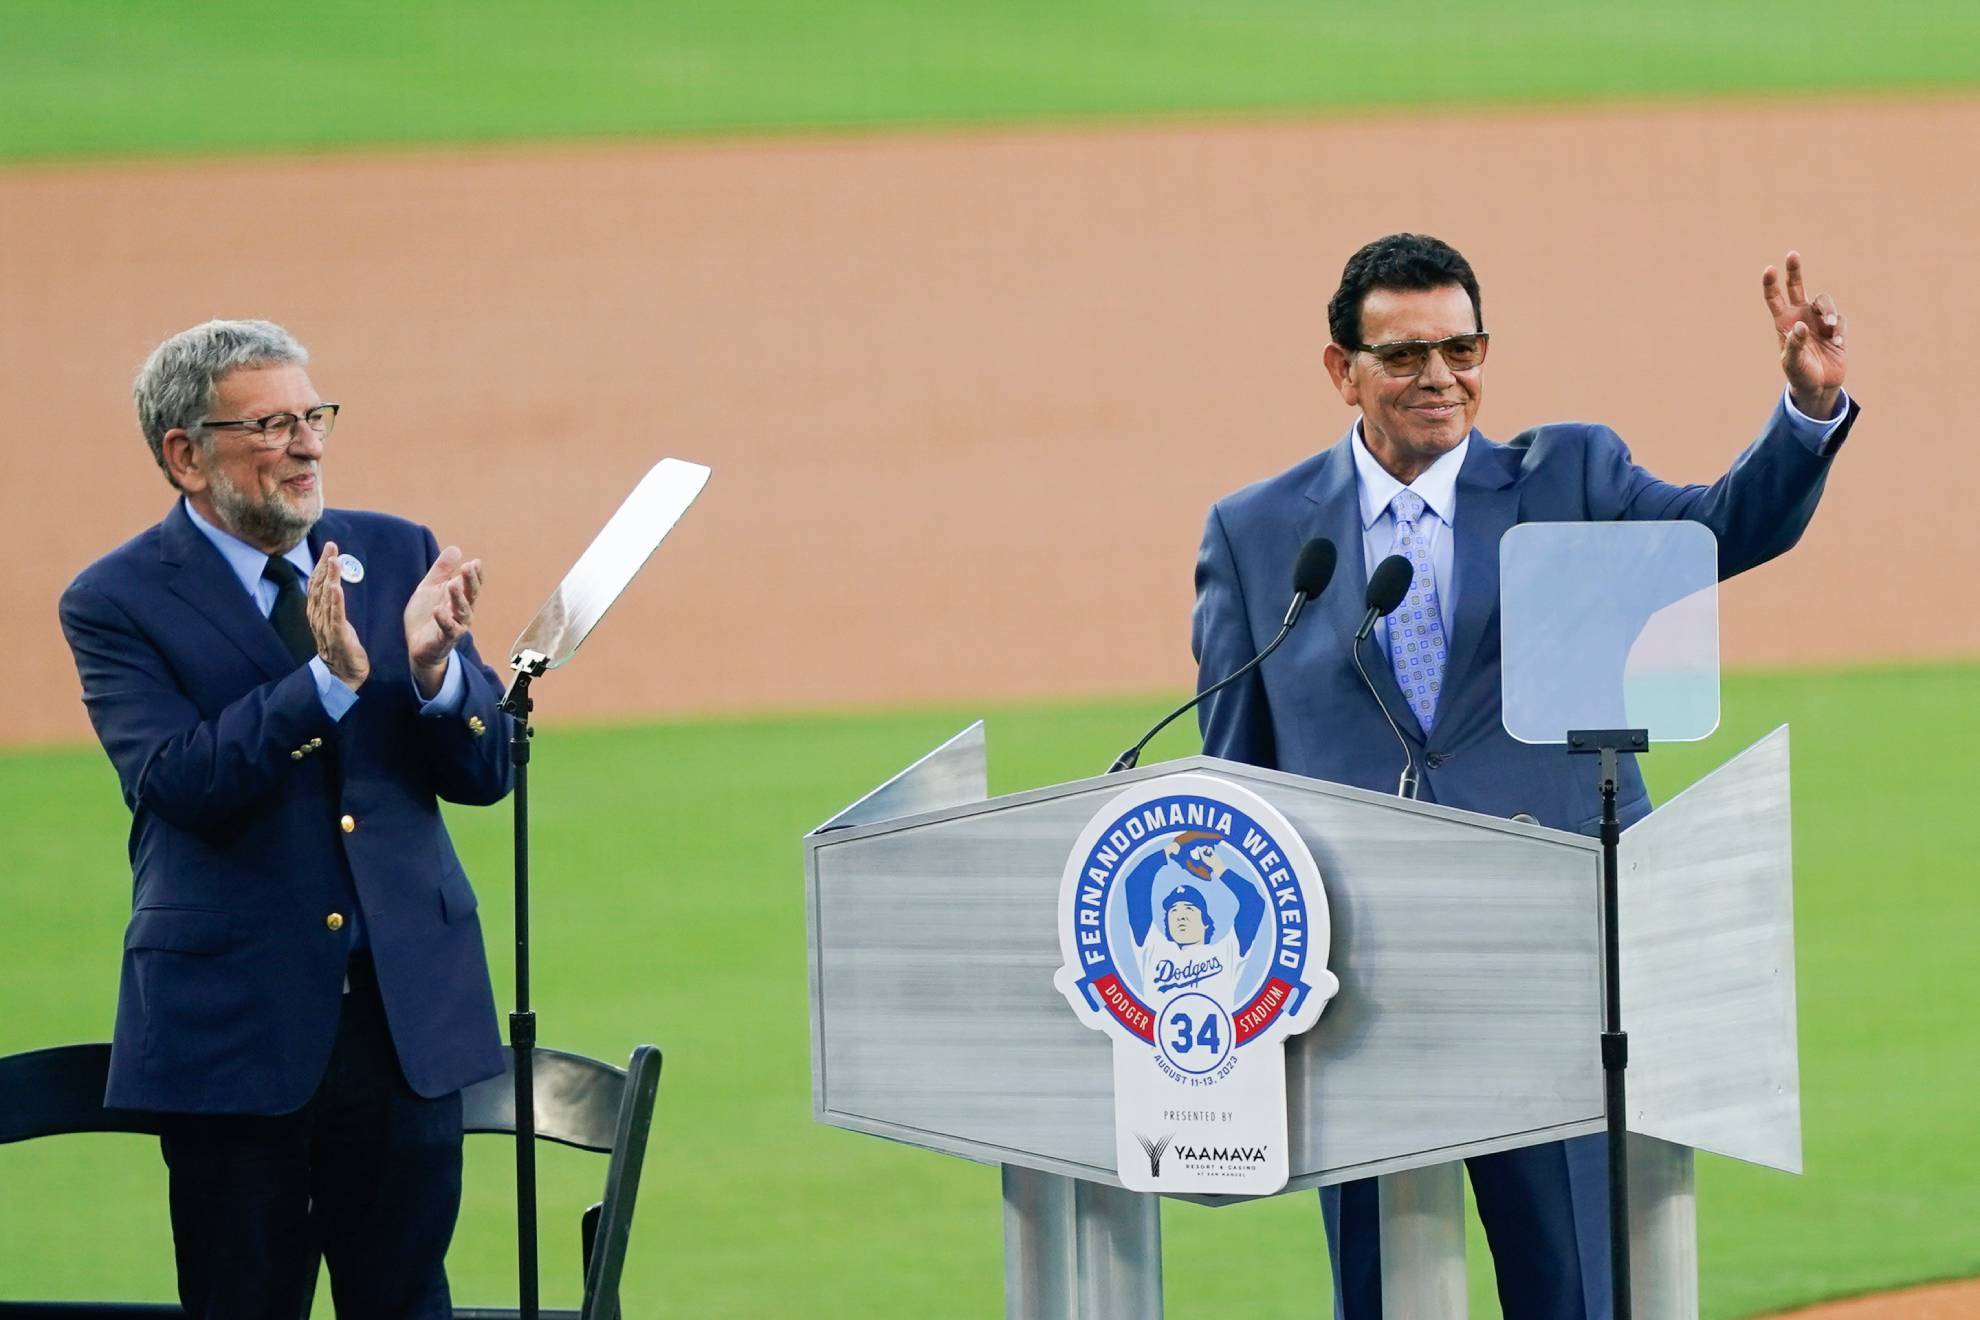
{"x":1408,"y":357}
{"x":278,"y":430}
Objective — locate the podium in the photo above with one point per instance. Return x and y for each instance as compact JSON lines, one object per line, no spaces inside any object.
{"x":1468,"y":1020}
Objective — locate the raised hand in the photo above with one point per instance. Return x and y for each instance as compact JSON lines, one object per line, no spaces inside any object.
{"x":438,"y":615}
{"x":336,"y":641}
{"x":1814,"y":350}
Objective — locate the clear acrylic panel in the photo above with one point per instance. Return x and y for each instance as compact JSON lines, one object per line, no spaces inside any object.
{"x":614,"y":556}
{"x":1610,"y":625}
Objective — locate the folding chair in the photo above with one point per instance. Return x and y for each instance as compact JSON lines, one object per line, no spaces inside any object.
{"x":580,"y":1102}
{"x":592,"y":1106}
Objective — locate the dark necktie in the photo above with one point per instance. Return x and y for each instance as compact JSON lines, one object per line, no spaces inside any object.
{"x":289,"y":616}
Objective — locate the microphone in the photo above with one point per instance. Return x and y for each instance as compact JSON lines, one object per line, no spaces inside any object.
{"x":1386,"y":588}
{"x":1312,"y":571}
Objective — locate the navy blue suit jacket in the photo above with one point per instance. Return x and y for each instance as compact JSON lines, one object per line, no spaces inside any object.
{"x":1305,"y":709}
{"x":233,"y":975}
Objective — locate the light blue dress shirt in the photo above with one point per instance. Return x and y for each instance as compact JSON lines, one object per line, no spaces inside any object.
{"x":248,"y":562}
{"x":1438,"y":487}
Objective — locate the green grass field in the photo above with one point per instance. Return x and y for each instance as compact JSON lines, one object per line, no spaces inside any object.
{"x":120,"y":77}
{"x":669,"y":908}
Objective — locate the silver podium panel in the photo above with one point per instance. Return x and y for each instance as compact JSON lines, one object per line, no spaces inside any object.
{"x":1707,"y":917}
{"x":953,"y":775}
{"x":1467,"y":949}
{"x":1467,"y":1021}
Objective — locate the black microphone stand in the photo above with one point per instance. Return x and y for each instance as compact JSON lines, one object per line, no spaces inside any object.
{"x":1132,"y":756}
{"x":1407,"y":783}
{"x":522,"y":1022}
{"x":1386,"y":589}
{"x":1615,"y":1041}
{"x":1312,"y":571}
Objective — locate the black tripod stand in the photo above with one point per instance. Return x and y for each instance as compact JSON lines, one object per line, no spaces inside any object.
{"x":522,"y":1022}
{"x":1606,"y":743}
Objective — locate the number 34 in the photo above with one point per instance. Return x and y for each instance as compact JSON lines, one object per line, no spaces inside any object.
{"x":1189,"y":1035}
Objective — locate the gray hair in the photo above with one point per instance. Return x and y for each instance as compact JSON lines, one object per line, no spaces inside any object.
{"x":174,"y":387}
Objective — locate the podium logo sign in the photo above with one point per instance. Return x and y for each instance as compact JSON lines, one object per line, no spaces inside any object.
{"x":1195,"y":933}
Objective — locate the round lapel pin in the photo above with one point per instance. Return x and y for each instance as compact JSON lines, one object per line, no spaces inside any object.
{"x":350,"y":568}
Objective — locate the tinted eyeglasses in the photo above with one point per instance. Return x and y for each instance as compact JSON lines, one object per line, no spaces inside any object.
{"x":278,"y":430}
{"x":1408,"y":357}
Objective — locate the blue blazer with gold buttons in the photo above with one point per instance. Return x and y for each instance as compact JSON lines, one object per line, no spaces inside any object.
{"x":258,"y":824}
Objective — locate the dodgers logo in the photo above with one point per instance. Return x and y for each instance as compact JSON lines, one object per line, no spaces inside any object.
{"x":1195,"y":932}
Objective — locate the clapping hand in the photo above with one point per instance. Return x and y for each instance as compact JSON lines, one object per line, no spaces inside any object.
{"x":438,"y":615}
{"x":1814,"y":351}
{"x":336,"y":640}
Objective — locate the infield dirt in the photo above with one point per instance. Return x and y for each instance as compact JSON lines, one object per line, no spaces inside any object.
{"x":967,"y":398}
{"x":1939,"y":1301}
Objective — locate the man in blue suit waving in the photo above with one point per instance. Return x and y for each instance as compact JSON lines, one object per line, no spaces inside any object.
{"x":1413,"y":477}
{"x":286,"y":692}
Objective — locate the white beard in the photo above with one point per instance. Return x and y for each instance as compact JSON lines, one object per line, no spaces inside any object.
{"x":265,"y":521}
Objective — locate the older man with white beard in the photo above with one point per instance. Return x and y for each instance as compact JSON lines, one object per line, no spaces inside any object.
{"x":286,"y":692}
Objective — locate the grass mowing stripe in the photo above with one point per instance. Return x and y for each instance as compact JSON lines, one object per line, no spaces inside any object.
{"x":668,"y":907}
{"x":118,"y":77}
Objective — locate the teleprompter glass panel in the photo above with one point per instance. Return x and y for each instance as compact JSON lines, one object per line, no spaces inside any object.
{"x":619,"y":551}
{"x":1610,"y":625}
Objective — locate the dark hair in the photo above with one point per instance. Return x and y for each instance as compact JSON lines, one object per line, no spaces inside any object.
{"x":1399,"y":261}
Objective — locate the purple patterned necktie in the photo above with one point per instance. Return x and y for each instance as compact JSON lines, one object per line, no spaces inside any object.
{"x":1416,"y":629}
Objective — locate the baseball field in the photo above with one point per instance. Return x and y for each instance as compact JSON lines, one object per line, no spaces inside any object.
{"x":973,"y":310}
